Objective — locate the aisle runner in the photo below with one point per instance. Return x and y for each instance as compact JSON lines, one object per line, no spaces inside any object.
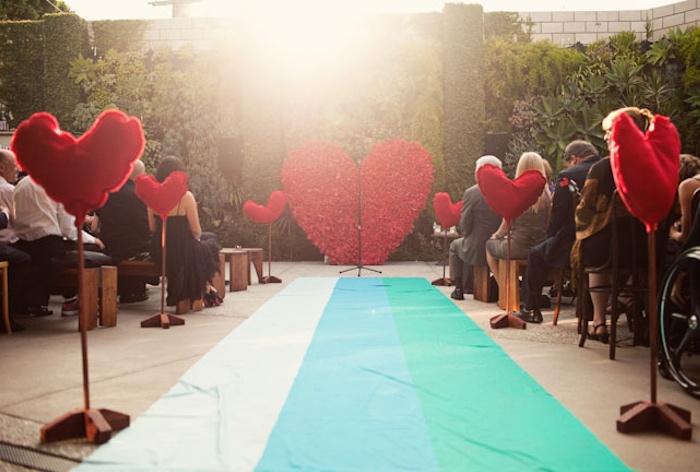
{"x":357,"y":374}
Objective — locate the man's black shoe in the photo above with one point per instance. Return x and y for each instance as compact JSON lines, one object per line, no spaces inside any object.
{"x":534,"y":316}
{"x":39,"y":311}
{"x":457,"y":294}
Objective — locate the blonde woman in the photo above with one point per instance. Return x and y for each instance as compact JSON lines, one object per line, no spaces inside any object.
{"x":528,"y":229}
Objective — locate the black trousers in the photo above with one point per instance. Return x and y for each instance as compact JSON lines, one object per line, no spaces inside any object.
{"x":19,"y":267}
{"x":535,"y":277}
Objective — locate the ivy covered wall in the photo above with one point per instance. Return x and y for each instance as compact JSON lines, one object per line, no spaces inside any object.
{"x":463,"y":125}
{"x":415,"y":77}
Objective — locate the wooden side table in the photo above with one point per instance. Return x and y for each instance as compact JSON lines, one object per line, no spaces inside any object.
{"x":238,"y":273}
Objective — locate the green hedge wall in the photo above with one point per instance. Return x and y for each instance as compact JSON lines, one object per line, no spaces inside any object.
{"x":65,"y":36}
{"x":463,"y":126}
{"x":34,"y":63}
{"x":21,"y":68}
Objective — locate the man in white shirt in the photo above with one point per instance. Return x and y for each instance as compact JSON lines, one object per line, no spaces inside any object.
{"x":45,"y":230}
{"x":19,"y":261}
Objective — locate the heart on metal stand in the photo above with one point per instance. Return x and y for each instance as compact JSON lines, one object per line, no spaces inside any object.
{"x":162,"y":198}
{"x":79,"y":174}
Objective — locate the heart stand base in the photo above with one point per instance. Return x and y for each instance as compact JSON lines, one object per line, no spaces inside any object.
{"x":661,"y":417}
{"x":270,"y":279}
{"x":507,"y":320}
{"x":443,"y":282}
{"x":95,"y":425}
{"x":162,"y":320}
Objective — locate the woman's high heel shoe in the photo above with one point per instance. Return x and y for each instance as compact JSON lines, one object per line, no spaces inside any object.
{"x":596,"y":336}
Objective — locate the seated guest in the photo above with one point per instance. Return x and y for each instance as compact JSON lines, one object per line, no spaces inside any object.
{"x":554,"y":251}
{"x":689,"y":178}
{"x":477,"y":222}
{"x":528,"y":229}
{"x":123,"y":227}
{"x":19,"y":261}
{"x":594,"y":216}
{"x":45,"y":231}
{"x":191,"y":257}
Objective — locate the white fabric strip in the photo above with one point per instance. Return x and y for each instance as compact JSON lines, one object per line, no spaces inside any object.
{"x":221,"y":412}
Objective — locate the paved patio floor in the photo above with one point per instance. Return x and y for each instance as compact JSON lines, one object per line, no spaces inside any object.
{"x":131,"y":367}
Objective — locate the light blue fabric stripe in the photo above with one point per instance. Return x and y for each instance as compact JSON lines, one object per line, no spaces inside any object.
{"x":353,"y":405}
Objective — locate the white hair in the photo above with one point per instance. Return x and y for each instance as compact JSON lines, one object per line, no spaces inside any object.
{"x":483,"y":160}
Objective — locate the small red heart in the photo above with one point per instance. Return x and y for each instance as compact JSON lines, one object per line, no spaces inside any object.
{"x":447,"y":213}
{"x":270,"y":212}
{"x":509,"y":198}
{"x":161,"y":198}
{"x":79,"y":173}
{"x":639,"y":160}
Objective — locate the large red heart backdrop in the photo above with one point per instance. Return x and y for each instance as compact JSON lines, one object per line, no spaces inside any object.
{"x":268,"y":213}
{"x":161,"y":197}
{"x":509,"y":198}
{"x":321,"y":184}
{"x":79,"y":173}
{"x":641,"y":162}
{"x":446,"y":212}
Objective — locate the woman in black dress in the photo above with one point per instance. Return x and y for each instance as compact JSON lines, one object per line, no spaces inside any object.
{"x":191,"y":257}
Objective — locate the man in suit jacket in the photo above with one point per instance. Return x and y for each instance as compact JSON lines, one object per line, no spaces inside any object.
{"x":477,"y":223}
{"x":554,"y":251}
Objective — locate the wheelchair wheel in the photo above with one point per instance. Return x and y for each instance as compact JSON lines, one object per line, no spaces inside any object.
{"x":679,"y":326}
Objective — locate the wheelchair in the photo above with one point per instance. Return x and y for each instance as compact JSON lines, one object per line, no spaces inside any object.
{"x":679,"y":325}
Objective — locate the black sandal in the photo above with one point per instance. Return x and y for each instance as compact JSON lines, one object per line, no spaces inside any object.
{"x":602,"y":337}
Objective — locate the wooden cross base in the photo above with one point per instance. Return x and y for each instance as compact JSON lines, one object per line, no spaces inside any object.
{"x":661,"y":417}
{"x":507,"y":320}
{"x":96,"y":425}
{"x":270,"y":279}
{"x":443,"y":282}
{"x":162,"y":320}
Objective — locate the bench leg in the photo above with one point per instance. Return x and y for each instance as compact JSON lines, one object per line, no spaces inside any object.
{"x":108,"y":296}
{"x":91,"y":282}
{"x":218,"y":281}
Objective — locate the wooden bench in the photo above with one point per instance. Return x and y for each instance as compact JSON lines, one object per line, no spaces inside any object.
{"x":100,"y":291}
{"x":485,"y":288}
{"x":149,"y":269}
{"x":517,"y":268}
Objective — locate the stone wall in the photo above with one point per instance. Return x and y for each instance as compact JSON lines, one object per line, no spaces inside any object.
{"x":562,"y":28}
{"x":567,"y":28}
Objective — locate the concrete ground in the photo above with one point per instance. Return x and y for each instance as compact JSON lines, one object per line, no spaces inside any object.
{"x":131,"y":367}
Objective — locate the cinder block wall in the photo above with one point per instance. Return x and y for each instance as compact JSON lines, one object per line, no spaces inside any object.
{"x":567,"y":28}
{"x":562,"y":28}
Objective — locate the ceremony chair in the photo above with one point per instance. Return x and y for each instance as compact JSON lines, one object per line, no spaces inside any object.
{"x":627,"y":267}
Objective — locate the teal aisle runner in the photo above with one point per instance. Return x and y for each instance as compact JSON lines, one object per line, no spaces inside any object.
{"x":397,"y":378}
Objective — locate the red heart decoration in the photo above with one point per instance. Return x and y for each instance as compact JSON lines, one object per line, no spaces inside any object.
{"x":446,"y":212}
{"x":637,"y":160}
{"x":270,"y":212}
{"x":321,"y":185}
{"x":509,"y":198}
{"x":79,"y":173}
{"x":161,"y":197}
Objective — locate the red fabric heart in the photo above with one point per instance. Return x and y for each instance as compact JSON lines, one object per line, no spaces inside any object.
{"x":321,"y":185}
{"x":446,"y":212}
{"x":161,"y":197}
{"x":509,"y":198}
{"x":640,"y":160}
{"x":79,"y":173}
{"x":270,"y":212}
